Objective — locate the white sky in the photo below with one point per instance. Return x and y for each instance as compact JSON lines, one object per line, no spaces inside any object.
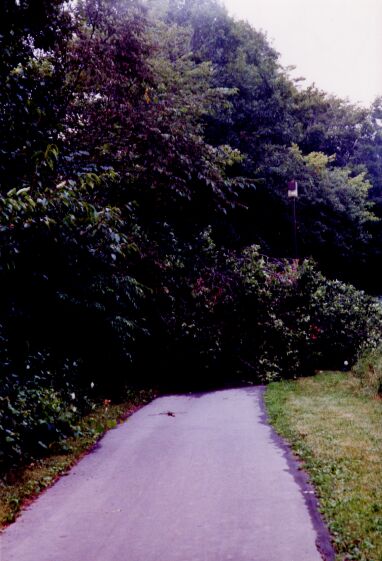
{"x":337,"y":44}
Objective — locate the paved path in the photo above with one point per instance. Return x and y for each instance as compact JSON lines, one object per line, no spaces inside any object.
{"x":212,"y":483}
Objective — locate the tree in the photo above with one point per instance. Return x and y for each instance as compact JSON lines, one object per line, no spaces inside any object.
{"x":34,"y":41}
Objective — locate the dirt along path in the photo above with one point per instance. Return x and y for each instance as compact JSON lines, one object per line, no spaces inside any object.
{"x":186,"y":478}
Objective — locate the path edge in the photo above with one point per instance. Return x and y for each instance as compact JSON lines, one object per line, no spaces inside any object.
{"x":324,"y":542}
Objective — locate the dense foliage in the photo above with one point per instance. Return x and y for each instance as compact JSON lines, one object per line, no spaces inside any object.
{"x":145,"y":229}
{"x":368,"y":369}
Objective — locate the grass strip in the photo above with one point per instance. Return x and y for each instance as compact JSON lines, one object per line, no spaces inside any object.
{"x":19,"y":486}
{"x":337,"y":431}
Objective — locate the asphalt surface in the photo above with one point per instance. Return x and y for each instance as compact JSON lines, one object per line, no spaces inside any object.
{"x":210,"y":482}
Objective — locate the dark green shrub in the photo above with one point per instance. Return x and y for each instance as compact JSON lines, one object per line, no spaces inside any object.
{"x":346,"y":320}
{"x":229,"y":317}
{"x":39,"y":406}
{"x":302,"y":320}
{"x":368,"y":369}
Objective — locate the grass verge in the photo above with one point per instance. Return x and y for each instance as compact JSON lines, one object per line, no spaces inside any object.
{"x":337,"y":431}
{"x":20,"y":486}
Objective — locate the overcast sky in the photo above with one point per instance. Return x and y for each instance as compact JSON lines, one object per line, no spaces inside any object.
{"x":335,"y":43}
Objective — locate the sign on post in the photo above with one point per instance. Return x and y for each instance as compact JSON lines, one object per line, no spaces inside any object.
{"x":292,"y":189}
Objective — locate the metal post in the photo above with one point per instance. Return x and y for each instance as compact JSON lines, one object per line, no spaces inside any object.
{"x":295,"y":229}
{"x":293,"y":194}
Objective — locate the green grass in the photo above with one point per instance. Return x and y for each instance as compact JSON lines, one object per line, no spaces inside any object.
{"x":336,"y":429}
{"x":19,"y":486}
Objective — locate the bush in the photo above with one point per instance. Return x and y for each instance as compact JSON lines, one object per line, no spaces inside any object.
{"x":41,"y":402}
{"x":211,"y":317}
{"x":234,"y":317}
{"x":287,"y":319}
{"x":369,"y":370}
{"x":344,"y":321}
